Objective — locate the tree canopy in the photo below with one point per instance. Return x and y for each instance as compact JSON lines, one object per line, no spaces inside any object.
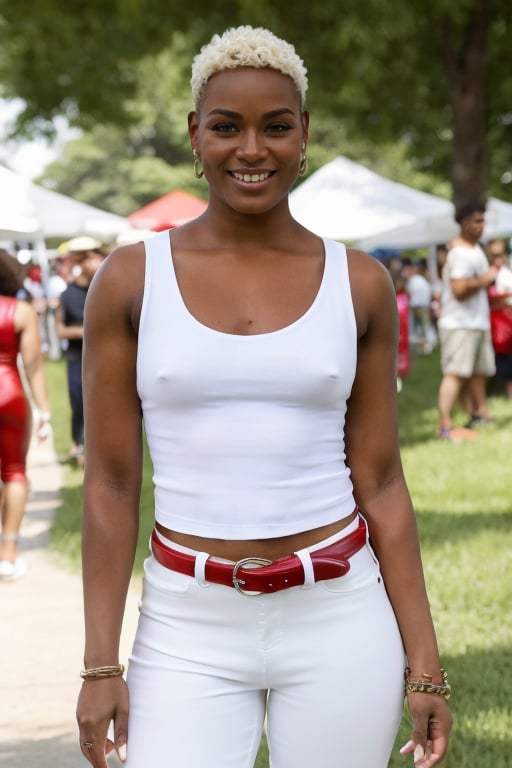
{"x":433,"y":76}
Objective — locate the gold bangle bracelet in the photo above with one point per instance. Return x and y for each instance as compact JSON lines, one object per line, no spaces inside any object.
{"x":100,"y":673}
{"x":425,"y":685}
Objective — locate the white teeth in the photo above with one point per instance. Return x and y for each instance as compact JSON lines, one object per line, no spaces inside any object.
{"x":251,"y":176}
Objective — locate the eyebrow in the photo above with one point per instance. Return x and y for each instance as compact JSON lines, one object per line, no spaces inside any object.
{"x":267,"y":115}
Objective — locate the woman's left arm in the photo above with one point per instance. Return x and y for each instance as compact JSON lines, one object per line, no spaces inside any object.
{"x":26,"y":324}
{"x":373,"y":455}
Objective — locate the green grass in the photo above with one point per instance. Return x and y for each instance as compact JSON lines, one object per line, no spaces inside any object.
{"x":463,"y":502}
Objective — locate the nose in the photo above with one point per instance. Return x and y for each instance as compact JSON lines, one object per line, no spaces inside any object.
{"x":251,"y":146}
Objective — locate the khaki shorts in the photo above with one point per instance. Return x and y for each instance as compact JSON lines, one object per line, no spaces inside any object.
{"x":466,"y":352}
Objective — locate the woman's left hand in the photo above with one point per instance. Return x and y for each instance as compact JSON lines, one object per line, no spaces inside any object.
{"x":432,"y":722}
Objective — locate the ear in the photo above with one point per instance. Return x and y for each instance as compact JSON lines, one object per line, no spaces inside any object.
{"x":193,"y":123}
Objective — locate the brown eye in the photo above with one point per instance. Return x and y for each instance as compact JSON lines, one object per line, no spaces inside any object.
{"x":224,"y":128}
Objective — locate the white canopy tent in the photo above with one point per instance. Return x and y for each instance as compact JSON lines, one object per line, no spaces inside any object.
{"x":18,"y":219}
{"x":428,"y":230}
{"x":346,"y":201}
{"x":31,"y":213}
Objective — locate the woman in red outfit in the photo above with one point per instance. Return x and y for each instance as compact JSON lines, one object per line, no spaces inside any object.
{"x":19,"y":335}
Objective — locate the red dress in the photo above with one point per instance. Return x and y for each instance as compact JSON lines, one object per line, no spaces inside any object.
{"x":15,"y":411}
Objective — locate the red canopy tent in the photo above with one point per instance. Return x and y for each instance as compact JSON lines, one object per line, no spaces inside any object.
{"x":168,"y":211}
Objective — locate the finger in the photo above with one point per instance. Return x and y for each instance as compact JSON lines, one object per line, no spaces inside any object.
{"x":86,"y":746}
{"x":419,"y":735}
{"x":429,"y":759}
{"x":407,"y":748}
{"x":121,"y":733}
{"x":109,"y":747}
{"x":94,"y":751}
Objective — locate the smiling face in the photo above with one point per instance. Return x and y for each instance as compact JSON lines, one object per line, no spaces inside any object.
{"x":249,"y":134}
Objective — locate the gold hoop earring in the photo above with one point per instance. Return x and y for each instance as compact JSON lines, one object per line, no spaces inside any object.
{"x":198,"y":171}
{"x":303,"y":163}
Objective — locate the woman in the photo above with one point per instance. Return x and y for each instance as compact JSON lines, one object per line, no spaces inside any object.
{"x":19,"y":335}
{"x":500,"y":302}
{"x":251,"y":348}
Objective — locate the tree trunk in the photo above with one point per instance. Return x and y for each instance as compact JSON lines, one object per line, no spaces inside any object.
{"x":464,"y":65}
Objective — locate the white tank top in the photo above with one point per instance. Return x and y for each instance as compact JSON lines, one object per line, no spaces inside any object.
{"x":246,"y":433}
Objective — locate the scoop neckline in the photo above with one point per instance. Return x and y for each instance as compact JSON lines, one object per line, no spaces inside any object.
{"x":286,"y":328}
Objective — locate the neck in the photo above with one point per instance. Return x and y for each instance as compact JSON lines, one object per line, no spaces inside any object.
{"x":271,"y":227}
{"x":468,"y":240}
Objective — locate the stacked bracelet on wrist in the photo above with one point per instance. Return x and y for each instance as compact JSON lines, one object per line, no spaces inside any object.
{"x":45,"y":416}
{"x":99,"y":673}
{"x":424,"y":684}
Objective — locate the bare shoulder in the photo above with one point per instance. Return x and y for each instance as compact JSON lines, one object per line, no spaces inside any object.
{"x":123,"y":266}
{"x":372,"y":288}
{"x":366,"y":269}
{"x":118,"y":285}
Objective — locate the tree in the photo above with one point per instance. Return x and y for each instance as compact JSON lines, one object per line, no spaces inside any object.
{"x":434,"y":75}
{"x":121,"y":168}
{"x":101,"y":169}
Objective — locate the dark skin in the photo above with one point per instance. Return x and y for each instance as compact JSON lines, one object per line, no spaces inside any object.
{"x":245,"y":267}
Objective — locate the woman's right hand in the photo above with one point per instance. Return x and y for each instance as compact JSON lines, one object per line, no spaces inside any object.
{"x":99,"y":703}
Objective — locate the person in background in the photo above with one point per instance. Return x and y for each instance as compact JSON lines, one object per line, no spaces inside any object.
{"x":34,"y":284}
{"x":19,"y":338}
{"x":467,"y":355}
{"x":419,"y":289}
{"x":58,"y":280}
{"x":87,"y":255}
{"x":403,"y":364}
{"x":498,"y":257}
{"x":500,"y":298}
{"x":261,"y":359}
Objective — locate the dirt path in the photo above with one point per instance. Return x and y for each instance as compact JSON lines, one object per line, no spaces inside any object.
{"x":41,"y":644}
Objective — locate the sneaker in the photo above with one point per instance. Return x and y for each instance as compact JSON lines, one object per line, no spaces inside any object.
{"x":478,"y":421}
{"x":458,"y":434}
{"x":76,"y":451}
{"x":10,"y":571}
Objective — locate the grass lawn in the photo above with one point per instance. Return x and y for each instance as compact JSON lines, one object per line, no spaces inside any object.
{"x":462,"y":494}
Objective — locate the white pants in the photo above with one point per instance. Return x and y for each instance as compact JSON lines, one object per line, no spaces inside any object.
{"x":324,"y":664}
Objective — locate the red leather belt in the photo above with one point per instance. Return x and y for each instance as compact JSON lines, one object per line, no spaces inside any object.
{"x":255,"y":574}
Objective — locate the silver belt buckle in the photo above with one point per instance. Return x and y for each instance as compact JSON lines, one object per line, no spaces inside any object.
{"x":252,"y":562}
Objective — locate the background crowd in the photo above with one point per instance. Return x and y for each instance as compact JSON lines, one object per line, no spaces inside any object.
{"x":431,"y":297}
{"x":56,"y":298}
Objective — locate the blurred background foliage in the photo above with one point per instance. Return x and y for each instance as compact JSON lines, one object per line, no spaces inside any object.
{"x":418,"y":90}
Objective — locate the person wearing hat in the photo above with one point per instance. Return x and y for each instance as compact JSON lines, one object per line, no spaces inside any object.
{"x":86,"y":255}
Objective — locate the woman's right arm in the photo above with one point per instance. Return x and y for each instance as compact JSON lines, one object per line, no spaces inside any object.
{"x":112,"y":483}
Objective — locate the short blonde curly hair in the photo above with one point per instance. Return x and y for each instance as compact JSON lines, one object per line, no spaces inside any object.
{"x":246,"y":47}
